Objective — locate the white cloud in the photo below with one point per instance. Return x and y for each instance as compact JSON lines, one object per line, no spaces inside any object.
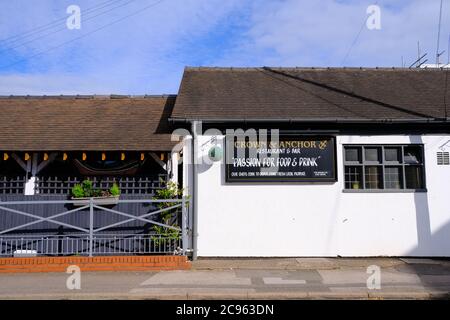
{"x":320,"y":33}
{"x":53,"y":84}
{"x":135,"y":55}
{"x":146,"y":53}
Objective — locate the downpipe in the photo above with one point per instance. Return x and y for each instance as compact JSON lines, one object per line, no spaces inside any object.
{"x":194,"y":125}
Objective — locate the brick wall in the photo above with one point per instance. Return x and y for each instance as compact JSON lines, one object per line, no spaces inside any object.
{"x":111,"y":263}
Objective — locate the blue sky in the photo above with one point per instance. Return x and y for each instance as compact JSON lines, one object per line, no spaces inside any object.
{"x":142,"y":46}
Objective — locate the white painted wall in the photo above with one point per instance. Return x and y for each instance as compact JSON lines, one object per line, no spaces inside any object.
{"x":173,"y":165}
{"x":321,"y":220}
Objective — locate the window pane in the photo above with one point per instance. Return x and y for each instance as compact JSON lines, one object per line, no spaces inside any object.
{"x":393,"y":178}
{"x":413,"y":154}
{"x":353,"y":154}
{"x":372,"y":154}
{"x":392,"y":154}
{"x":414,"y":177}
{"x":373,"y":177}
{"x":353,"y":177}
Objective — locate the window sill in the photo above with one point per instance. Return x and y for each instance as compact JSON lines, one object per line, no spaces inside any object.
{"x":384,"y":190}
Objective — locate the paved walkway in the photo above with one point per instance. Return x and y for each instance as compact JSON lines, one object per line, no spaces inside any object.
{"x":313,"y":278}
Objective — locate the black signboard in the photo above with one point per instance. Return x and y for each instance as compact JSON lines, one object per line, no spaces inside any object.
{"x":289,"y":158}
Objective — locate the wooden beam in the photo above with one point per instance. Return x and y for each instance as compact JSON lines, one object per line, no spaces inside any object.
{"x":158,"y":160}
{"x":22,"y":164}
{"x":34,"y":161}
{"x":45,"y":163}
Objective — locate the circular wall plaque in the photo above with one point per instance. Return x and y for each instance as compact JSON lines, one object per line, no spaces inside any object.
{"x":215,"y":153}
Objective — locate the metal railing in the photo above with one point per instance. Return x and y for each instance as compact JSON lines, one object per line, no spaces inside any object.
{"x":95,"y":240}
{"x":128,"y":185}
{"x":12,"y":185}
{"x":105,"y":244}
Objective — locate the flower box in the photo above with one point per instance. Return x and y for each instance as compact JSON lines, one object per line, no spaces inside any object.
{"x":100,"y":201}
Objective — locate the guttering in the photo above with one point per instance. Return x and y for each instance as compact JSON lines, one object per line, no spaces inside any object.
{"x":309,"y":120}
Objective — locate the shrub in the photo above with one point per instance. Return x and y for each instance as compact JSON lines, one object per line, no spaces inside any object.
{"x":86,"y":190}
{"x":77,"y":191}
{"x":114,"y":190}
{"x":172,"y":191}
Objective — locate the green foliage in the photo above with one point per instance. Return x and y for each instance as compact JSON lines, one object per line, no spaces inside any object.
{"x":172,"y":191}
{"x":164,"y":234}
{"x":77,"y":191}
{"x":86,"y":190}
{"x":88,"y":186}
{"x":114,"y":190}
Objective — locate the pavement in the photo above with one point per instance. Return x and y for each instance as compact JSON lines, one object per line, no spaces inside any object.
{"x":266,"y":278}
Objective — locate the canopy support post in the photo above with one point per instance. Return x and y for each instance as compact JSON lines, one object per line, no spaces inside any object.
{"x":32,"y":168}
{"x":30,"y":185}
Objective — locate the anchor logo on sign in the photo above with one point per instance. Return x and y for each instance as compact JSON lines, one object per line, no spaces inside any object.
{"x":323,"y":144}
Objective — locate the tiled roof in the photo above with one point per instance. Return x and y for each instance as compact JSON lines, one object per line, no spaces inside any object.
{"x":70,"y":123}
{"x":314,"y":94}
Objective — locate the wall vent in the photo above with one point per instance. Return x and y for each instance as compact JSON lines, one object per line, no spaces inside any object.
{"x":443,"y":158}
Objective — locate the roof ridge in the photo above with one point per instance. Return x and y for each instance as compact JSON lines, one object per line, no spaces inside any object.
{"x":215,"y":68}
{"x":88,"y":97}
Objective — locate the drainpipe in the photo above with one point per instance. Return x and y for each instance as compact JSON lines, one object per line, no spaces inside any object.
{"x":194,"y":125}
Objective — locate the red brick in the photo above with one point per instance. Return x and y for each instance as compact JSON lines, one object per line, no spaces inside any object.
{"x":105,"y":263}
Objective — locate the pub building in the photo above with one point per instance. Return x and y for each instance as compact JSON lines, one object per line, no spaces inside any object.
{"x":275,"y":162}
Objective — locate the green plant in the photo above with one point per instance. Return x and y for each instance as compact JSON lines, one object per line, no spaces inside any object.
{"x":172,"y":191}
{"x":114,"y":190}
{"x":86,"y":190}
{"x":88,"y":186}
{"x":164,"y":233}
{"x":77,"y":191}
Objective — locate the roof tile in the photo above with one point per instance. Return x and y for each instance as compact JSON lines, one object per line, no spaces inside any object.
{"x":53,"y":123}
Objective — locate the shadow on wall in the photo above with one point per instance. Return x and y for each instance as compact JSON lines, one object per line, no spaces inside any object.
{"x":428,"y":243}
{"x":436,"y":244}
